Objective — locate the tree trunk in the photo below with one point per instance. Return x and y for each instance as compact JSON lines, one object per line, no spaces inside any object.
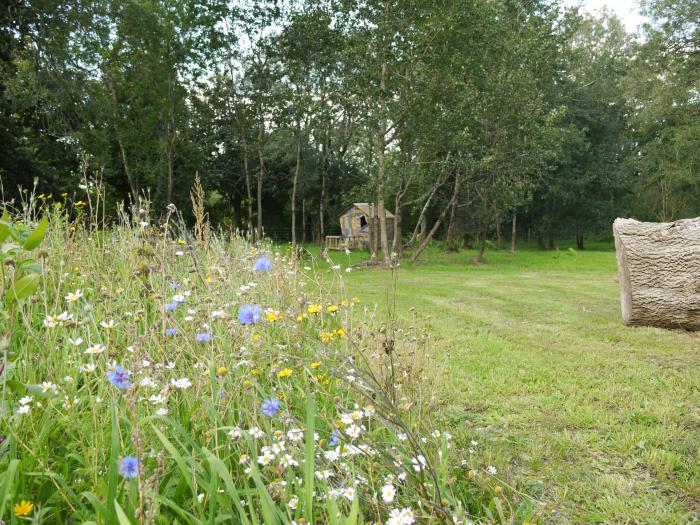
{"x":171,"y":154}
{"x":381,"y":163}
{"x":550,"y":243}
{"x":421,"y":222}
{"x":170,"y":141}
{"x":579,"y":238}
{"x":317,"y":234}
{"x":451,"y":225}
{"x":482,"y":248}
{"x":261,"y":174}
{"x":658,"y":267}
{"x":404,"y":183}
{"x":424,"y":243}
{"x":383,"y":235}
{"x":133,"y":185}
{"x":397,"y":244}
{"x":499,"y":235}
{"x":372,"y":234}
{"x":303,"y":221}
{"x":297,"y":170}
{"x":246,"y":173}
{"x":513,"y":234}
{"x":540,"y":242}
{"x":322,"y":200}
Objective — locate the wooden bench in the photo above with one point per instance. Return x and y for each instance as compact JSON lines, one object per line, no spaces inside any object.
{"x":335,"y":242}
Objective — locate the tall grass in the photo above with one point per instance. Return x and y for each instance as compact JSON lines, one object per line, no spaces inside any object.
{"x":133,"y":353}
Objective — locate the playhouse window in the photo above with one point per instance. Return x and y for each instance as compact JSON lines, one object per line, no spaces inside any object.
{"x":363,"y":221}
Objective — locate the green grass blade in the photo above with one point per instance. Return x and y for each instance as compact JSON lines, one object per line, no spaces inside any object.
{"x":185,"y":470}
{"x":121,"y":515}
{"x":188,"y":517}
{"x":101,"y":509}
{"x":113,"y":474}
{"x":354,"y":512}
{"x":309,"y":463}
{"x":270,"y":511}
{"x":8,"y":478}
{"x":217,"y":466}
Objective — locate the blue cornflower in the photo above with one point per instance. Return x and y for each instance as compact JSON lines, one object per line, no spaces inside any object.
{"x":270,"y":406}
{"x":169,"y":307}
{"x":129,"y":467}
{"x":119,"y":377}
{"x":249,"y":314}
{"x":170,"y":331}
{"x":263,"y":264}
{"x":203,"y":338}
{"x":175,"y":286}
{"x":333,"y":441}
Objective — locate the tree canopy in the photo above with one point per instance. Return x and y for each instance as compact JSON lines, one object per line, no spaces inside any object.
{"x":463,"y":117}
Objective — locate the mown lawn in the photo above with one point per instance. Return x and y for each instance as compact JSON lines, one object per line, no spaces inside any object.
{"x":598,"y":422}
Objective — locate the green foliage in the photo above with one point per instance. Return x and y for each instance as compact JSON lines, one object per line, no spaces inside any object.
{"x":124,"y":375}
{"x":531,"y":110}
{"x":20,"y":274}
{"x":665,"y":112}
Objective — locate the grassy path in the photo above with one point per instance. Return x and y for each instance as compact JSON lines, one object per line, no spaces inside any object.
{"x":599,"y":421}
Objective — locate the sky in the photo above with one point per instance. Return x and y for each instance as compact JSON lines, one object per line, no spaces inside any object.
{"x":626,"y":10}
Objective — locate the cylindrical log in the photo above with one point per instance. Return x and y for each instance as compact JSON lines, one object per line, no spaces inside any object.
{"x":658,"y":268}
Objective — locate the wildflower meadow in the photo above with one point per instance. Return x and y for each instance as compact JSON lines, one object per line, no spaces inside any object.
{"x":151,"y":376}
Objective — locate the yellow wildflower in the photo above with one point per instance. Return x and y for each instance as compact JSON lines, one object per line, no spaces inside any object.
{"x":23,"y":508}
{"x":326,"y":337}
{"x":332,"y":309}
{"x":247,"y":383}
{"x":345,"y":302}
{"x":255,"y":371}
{"x":355,"y":300}
{"x":285,"y":372}
{"x":281,"y":396}
{"x":208,"y":280}
{"x":221,"y":370}
{"x":314,"y":308}
{"x":255,"y":337}
{"x":340,"y":332}
{"x":273,"y":316}
{"x":316,"y":364}
{"x":180,"y":242}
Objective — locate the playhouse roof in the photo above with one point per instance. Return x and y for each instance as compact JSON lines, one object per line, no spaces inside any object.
{"x":364,"y":208}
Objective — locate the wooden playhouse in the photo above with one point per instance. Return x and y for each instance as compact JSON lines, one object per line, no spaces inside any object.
{"x":357,"y":228}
